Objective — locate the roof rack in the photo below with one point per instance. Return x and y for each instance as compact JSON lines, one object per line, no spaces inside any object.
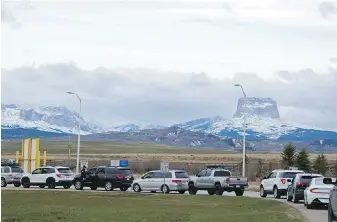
{"x":219,"y":166}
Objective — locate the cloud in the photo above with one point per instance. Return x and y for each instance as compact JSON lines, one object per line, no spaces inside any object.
{"x":8,"y":18}
{"x":328,"y":9}
{"x":114,"y":96}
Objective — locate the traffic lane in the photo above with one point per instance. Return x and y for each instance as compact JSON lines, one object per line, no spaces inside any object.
{"x":312,"y":215}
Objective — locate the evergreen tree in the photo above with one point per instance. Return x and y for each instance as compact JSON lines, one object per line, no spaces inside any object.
{"x":320,"y":164}
{"x":288,"y":155}
{"x":302,"y":160}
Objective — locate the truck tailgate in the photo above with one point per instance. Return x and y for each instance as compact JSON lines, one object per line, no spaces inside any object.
{"x":232,"y":181}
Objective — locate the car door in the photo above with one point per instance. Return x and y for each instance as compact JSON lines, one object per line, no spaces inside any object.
{"x":290,"y":188}
{"x":333,"y":199}
{"x":89,"y":176}
{"x":99,"y":178}
{"x":146,"y":180}
{"x":208,"y":179}
{"x":268,"y":182}
{"x":36,"y":176}
{"x":200,"y":179}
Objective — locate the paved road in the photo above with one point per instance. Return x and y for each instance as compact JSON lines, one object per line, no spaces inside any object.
{"x":315,"y":215}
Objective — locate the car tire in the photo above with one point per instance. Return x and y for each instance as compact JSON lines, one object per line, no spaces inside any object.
{"x":17,"y":184}
{"x":211,"y":191}
{"x":289,"y":198}
{"x":218,"y":189}
{"x":108,"y":186}
{"x":331,"y":216}
{"x":25,"y":182}
{"x":262,"y":192}
{"x":276,"y":192}
{"x":3,"y":182}
{"x":192,"y":190}
{"x":42,"y":186}
{"x":165,"y":189}
{"x":78,"y":184}
{"x":239,"y":193}
{"x":124,"y":188}
{"x":182,"y":191}
{"x":51,"y":183}
{"x":136,"y":188}
{"x":66,"y":186}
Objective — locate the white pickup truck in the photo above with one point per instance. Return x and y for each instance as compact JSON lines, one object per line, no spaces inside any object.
{"x":217,"y":181}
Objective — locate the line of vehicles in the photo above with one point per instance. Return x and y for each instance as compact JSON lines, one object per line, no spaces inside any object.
{"x":313,"y":189}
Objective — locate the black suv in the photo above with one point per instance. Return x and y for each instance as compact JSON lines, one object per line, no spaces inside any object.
{"x":105,"y":176}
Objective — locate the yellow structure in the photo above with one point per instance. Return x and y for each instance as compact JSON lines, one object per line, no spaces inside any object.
{"x":30,"y":154}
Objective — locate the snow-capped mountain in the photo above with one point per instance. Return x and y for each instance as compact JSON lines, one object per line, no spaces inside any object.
{"x":131,"y":127}
{"x":54,"y":119}
{"x":262,"y":120}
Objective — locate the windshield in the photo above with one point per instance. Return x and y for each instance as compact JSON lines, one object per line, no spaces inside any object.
{"x":125,"y":172}
{"x":17,"y":170}
{"x":64,"y":170}
{"x":181,"y":175}
{"x":290,"y":175}
{"x":307,"y":179}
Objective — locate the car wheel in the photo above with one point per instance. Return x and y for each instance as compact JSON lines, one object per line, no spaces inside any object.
{"x":66,"y":186}
{"x":137,"y":188}
{"x":218,"y":190}
{"x":262,"y":192}
{"x":182,"y":191}
{"x":192,"y":190}
{"x":211,"y":192}
{"x":165,"y":189}
{"x":276,"y":193}
{"x":3,"y":182}
{"x":51,"y":183}
{"x":239,"y":193}
{"x":108,"y":186}
{"x":25,"y":183}
{"x":289,"y":198}
{"x":331,"y":216}
{"x":17,"y":184}
{"x":124,"y":188}
{"x":42,"y":186}
{"x":78,"y":185}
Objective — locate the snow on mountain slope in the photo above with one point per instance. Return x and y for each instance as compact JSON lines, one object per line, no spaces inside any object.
{"x":57,"y":119}
{"x":131,"y":127}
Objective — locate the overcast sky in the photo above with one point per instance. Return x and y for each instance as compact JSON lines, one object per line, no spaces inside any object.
{"x":165,"y":61}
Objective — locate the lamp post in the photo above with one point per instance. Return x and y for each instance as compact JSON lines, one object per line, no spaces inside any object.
{"x":79,"y":133}
{"x":244,"y":133}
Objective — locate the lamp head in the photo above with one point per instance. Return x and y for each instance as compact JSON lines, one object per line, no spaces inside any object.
{"x":70,"y":93}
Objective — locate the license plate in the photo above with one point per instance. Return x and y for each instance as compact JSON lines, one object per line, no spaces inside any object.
{"x":237,"y":186}
{"x":127,"y":178}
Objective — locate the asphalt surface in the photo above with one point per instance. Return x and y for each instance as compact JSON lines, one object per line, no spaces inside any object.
{"x":313,"y":215}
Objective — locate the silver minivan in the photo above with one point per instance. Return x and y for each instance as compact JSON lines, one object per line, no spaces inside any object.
{"x":156,"y":180}
{"x":11,"y":175}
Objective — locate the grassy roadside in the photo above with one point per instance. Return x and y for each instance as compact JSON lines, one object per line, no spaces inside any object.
{"x":123,"y":207}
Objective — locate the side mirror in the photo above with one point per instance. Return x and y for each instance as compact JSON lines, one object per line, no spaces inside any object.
{"x":142,"y":177}
{"x":264,"y":178}
{"x":288,"y":180}
{"x":197,"y":175}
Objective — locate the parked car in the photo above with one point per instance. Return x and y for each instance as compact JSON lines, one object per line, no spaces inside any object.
{"x":277,"y":182}
{"x":50,"y":176}
{"x":298,"y":184}
{"x":332,"y":210}
{"x":107,"y":177}
{"x":317,"y":193}
{"x":11,"y":175}
{"x":216,"y":181}
{"x":156,"y":180}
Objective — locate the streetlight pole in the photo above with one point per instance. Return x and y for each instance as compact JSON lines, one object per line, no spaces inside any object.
{"x":244,"y":133}
{"x":79,"y":133}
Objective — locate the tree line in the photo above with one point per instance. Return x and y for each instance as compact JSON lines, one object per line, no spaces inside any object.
{"x":301,"y":160}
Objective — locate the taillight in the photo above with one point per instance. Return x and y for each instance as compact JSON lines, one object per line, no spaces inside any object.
{"x":176,"y":181}
{"x":58,"y":175}
{"x":300,"y":183}
{"x":283,"y":181}
{"x":228,"y":180}
{"x":120,"y":177}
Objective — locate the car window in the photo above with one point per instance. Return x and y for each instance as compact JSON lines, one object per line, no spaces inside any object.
{"x":111,"y":170}
{"x":307,"y":179}
{"x":222,"y":174}
{"x":125,"y":172}
{"x":181,"y":174}
{"x":37,"y":171}
{"x":7,"y":170}
{"x":202,"y":173}
{"x":64,"y":170}
{"x":288,"y":174}
{"x":47,"y":170}
{"x":148,"y":175}
{"x":101,"y":171}
{"x":157,"y":175}
{"x":17,"y":170}
{"x":208,"y":173}
{"x":92,"y":170}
